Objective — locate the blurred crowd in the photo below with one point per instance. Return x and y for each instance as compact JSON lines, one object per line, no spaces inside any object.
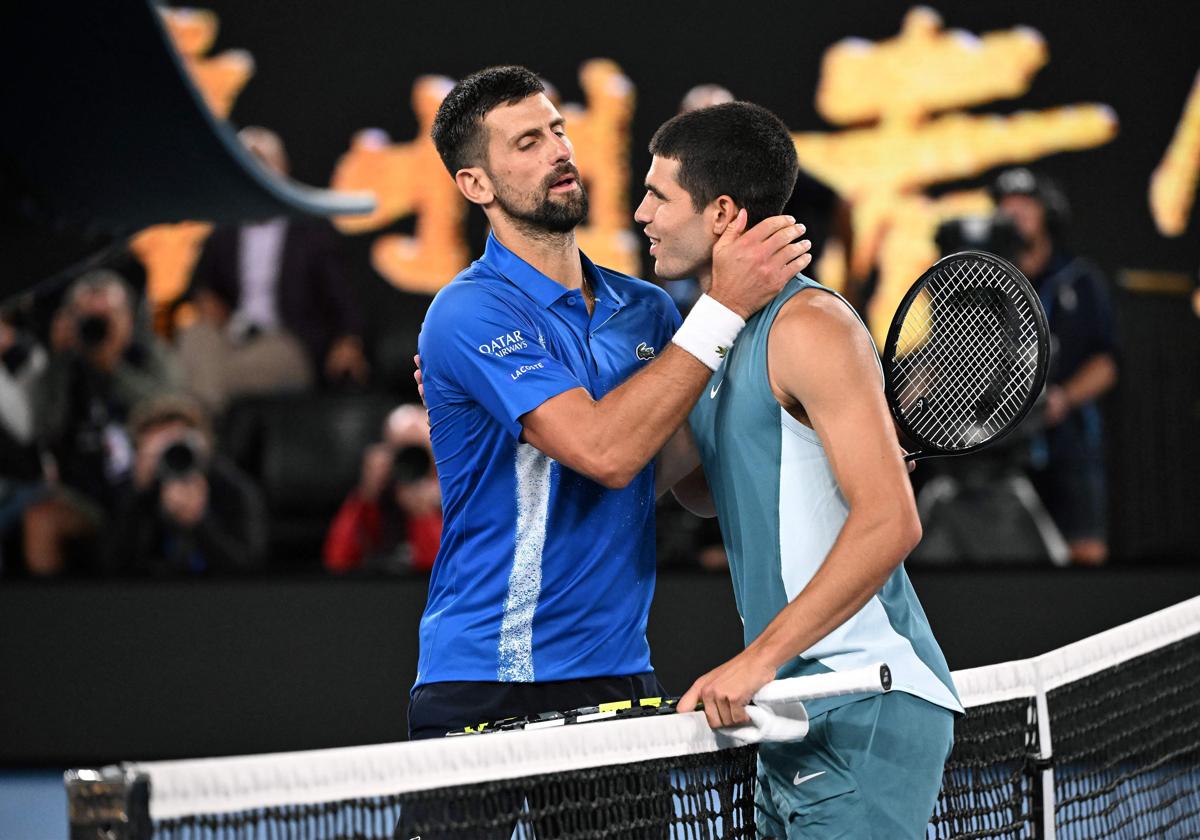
{"x":252,"y":435}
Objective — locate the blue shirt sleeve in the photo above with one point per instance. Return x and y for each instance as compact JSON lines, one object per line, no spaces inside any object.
{"x":477,"y":348}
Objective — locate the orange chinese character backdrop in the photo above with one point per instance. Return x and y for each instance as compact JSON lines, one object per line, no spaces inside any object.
{"x":408,"y":180}
{"x":910,"y":116}
{"x":1173,"y":184}
{"x":600,"y":131}
{"x":912,"y":90}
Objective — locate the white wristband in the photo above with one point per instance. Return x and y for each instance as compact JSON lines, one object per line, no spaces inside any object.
{"x":709,"y":331}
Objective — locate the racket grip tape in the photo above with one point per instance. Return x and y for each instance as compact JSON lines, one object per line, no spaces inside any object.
{"x":872,"y":679}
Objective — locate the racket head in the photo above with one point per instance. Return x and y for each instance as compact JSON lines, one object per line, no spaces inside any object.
{"x":966,"y":354}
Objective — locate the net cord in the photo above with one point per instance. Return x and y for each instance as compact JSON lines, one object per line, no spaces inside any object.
{"x":242,"y":783}
{"x":227,"y":785}
{"x":1041,"y":674}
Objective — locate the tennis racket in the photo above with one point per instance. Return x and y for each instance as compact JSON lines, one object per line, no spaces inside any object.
{"x":965,"y":357}
{"x":777,"y":713}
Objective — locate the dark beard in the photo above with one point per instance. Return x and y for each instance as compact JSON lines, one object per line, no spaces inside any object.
{"x":549,"y":216}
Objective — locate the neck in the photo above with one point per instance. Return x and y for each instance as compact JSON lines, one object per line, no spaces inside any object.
{"x":553,"y":254}
{"x":704,"y":277}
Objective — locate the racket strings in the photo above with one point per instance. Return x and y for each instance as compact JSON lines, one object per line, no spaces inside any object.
{"x":968,"y":404}
{"x":967,"y":355}
{"x":974,"y":406}
{"x":979,"y":335}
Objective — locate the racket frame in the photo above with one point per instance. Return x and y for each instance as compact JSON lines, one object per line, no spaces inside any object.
{"x":893,"y":337}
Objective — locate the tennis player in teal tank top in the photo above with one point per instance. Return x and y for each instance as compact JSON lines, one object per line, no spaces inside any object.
{"x":801,"y":464}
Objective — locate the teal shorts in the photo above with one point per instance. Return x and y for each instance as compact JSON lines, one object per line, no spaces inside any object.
{"x":868,"y":769}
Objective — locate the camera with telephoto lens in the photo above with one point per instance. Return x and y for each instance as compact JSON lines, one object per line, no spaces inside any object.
{"x":997,"y":234}
{"x":410,"y":465}
{"x":184,"y":457}
{"x":92,"y":330}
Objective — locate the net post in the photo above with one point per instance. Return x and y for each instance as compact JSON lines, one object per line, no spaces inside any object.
{"x":111,"y":803}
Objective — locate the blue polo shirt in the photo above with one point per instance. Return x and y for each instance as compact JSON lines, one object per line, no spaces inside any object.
{"x":543,"y":574}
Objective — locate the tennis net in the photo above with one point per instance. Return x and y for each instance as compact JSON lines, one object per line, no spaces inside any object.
{"x":1097,"y":739}
{"x":1100,"y":738}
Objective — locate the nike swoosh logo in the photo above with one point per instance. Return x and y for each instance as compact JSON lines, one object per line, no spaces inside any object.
{"x":799,"y":780}
{"x":712,"y":395}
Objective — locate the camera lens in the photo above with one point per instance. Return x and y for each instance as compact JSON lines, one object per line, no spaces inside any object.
{"x":178,"y":460}
{"x":92,"y":330}
{"x":412,"y":464}
{"x":997,"y":234}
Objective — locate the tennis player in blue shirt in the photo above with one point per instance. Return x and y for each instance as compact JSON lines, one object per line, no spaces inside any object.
{"x":552,"y":383}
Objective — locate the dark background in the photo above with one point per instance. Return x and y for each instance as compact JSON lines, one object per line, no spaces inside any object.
{"x":101,"y":672}
{"x":325,"y":71}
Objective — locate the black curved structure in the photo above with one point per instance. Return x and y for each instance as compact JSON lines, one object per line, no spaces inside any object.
{"x":104,"y":134}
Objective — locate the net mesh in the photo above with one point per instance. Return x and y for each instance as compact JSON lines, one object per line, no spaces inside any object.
{"x":1127,"y":748}
{"x":1098,"y":739}
{"x":966,"y":355}
{"x":989,"y":785}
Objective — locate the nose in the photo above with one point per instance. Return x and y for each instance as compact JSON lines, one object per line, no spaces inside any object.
{"x":643,"y":215}
{"x":562,"y":149}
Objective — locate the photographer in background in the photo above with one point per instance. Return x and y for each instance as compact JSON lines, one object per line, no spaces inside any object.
{"x":102,"y":362}
{"x":392,"y":521}
{"x":275,"y":311}
{"x":189,"y":511}
{"x":1069,"y":455}
{"x":984,"y":509}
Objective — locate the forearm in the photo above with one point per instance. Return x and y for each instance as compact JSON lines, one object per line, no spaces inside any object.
{"x":612,"y":439}
{"x":1094,"y":379}
{"x":869,"y":548}
{"x":632,"y":423}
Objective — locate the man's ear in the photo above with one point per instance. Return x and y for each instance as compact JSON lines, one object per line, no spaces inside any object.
{"x":724,"y":211}
{"x":475,"y":185}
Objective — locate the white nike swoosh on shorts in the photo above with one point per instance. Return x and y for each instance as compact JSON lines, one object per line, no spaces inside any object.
{"x":712,"y":395}
{"x":799,"y":780}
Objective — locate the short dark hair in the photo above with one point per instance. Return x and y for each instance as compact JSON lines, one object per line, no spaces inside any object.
{"x":736,"y":149}
{"x":458,"y":127}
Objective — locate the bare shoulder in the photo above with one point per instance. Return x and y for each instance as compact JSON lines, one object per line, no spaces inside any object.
{"x":814,"y":318}
{"x":817,"y":346}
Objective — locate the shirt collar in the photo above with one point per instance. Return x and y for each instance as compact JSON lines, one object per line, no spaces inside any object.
{"x":537,"y":285}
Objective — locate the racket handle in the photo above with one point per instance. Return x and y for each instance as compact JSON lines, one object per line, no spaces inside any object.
{"x":767,"y":726}
{"x":921,"y":456}
{"x":873,"y":679}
